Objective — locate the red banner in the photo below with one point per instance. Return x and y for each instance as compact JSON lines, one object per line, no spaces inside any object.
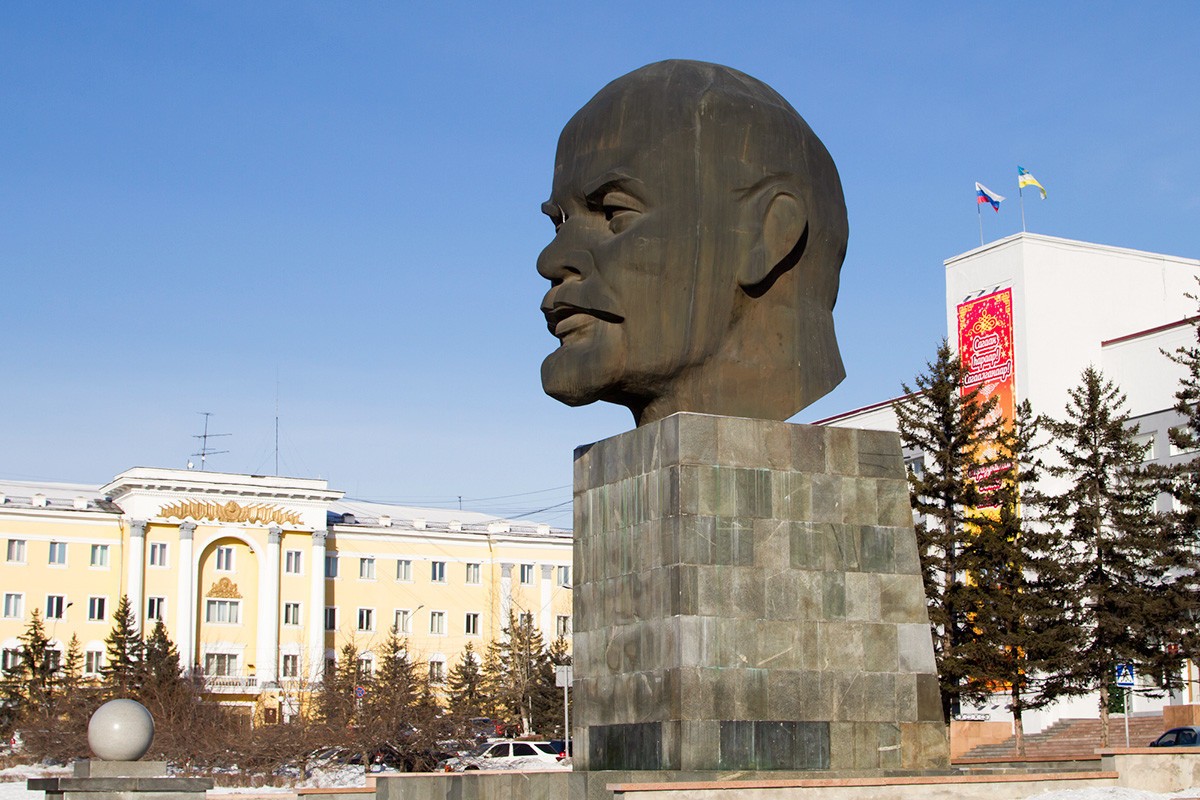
{"x":985,"y":345}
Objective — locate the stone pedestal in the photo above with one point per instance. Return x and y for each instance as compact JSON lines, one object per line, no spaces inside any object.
{"x":748,"y":597}
{"x":121,"y":780}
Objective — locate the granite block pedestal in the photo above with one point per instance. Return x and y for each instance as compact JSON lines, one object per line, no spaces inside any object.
{"x":121,"y":780}
{"x":748,"y":597}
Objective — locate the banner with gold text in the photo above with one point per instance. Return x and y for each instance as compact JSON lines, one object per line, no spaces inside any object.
{"x":985,"y":345}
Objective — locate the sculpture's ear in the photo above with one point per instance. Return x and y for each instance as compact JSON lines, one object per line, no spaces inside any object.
{"x":781,"y":238}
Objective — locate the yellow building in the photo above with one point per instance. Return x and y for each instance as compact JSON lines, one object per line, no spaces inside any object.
{"x":261,"y":580}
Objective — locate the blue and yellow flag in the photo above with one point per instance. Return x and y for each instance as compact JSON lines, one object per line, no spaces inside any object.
{"x":1025,"y":179}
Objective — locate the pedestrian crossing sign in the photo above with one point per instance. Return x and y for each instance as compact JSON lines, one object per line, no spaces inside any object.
{"x":1125,"y":676}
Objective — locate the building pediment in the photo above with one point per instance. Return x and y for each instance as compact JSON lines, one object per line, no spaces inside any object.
{"x":225,"y":498}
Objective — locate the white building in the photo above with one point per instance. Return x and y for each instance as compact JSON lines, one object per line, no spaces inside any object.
{"x":1053,"y":307}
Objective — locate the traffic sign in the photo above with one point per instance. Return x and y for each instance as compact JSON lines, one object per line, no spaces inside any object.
{"x":360,"y":691}
{"x":1125,"y":676}
{"x":563,"y":676}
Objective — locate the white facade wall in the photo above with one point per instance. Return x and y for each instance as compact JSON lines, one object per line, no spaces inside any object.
{"x":1068,"y":298}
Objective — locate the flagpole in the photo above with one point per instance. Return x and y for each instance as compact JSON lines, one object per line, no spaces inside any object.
{"x":979,"y":214}
{"x":1021,"y":194}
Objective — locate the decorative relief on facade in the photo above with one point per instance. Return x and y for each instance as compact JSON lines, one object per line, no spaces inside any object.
{"x":230,"y":512}
{"x":226,"y":589}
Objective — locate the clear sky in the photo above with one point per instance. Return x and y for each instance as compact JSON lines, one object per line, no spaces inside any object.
{"x":218,"y":206}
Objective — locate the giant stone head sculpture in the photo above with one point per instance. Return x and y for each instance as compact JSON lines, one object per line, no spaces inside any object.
{"x":700,"y":230}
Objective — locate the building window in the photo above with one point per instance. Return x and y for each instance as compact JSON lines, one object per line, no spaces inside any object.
{"x":366,"y":619}
{"x":527,"y":574}
{"x":473,"y":573}
{"x":222,"y":612}
{"x":96,"y":608}
{"x":14,"y":605}
{"x":1174,"y":449}
{"x":221,"y":665}
{"x":403,"y":570}
{"x":527,"y":620}
{"x":437,"y":671}
{"x":93,"y":662}
{"x":564,"y":576}
{"x":1146,"y":442}
{"x":225,"y":559}
{"x":562,"y":626}
{"x":290,"y":667}
{"x":156,"y":608}
{"x":403,"y":621}
{"x":16,"y":551}
{"x":437,"y":571}
{"x":366,"y":569}
{"x":56,"y":606}
{"x":331,"y":618}
{"x":99,"y":555}
{"x":11,"y":659}
{"x":53,"y":660}
{"x":158,"y":554}
{"x":437,"y":623}
{"x":58,"y":554}
{"x":291,"y":562}
{"x":471,"y":625}
{"x":331,"y":565}
{"x":291,"y":613}
{"x":366,"y":665}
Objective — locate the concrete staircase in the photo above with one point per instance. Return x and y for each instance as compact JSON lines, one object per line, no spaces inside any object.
{"x":1070,"y":739}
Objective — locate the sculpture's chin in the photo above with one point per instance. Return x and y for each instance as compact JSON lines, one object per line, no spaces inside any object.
{"x":587,"y":366}
{"x":569,"y":379}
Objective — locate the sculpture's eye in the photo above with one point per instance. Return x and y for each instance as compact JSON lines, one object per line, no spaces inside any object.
{"x":620,"y":209}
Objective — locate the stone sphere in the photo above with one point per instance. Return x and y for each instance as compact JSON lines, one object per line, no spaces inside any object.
{"x":120,"y":730}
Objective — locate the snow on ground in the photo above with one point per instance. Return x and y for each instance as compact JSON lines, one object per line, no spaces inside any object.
{"x":12,"y":786}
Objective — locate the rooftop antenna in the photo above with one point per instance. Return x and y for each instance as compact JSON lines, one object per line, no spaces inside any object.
{"x":204,"y":451}
{"x":277,"y":421}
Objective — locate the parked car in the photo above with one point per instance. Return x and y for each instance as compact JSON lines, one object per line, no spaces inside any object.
{"x":507,"y":754}
{"x":1179,"y":737}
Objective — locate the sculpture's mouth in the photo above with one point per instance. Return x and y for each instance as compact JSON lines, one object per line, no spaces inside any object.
{"x":563,"y":318}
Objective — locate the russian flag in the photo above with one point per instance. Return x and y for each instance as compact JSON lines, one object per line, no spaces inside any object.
{"x":986,"y":195}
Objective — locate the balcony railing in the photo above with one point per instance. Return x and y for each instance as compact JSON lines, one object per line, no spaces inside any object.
{"x":231,"y":683}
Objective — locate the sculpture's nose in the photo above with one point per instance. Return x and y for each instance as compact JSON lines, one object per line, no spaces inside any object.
{"x":558,"y":262}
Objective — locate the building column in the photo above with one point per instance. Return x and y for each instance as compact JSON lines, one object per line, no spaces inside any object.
{"x":268,"y":611}
{"x":316,"y":608}
{"x":547,"y":615}
{"x":505,"y":593}
{"x":185,"y":598}
{"x":136,"y":564}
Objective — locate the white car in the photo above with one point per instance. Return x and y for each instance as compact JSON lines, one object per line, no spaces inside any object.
{"x":508,"y":754}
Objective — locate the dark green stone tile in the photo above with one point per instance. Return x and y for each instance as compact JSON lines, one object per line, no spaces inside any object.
{"x":878,"y":548}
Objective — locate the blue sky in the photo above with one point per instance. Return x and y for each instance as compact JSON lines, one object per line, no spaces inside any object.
{"x":207,"y":206}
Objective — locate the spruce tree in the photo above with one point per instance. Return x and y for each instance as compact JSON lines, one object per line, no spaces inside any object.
{"x":1016,"y":620}
{"x":395,"y":685}
{"x":72,"y":667}
{"x":123,"y":651}
{"x":465,"y":681}
{"x":336,"y":701}
{"x":1181,"y":481}
{"x":950,"y":428}
{"x":514,"y":672}
{"x":159,"y":668}
{"x":35,"y":671}
{"x":1113,"y":554}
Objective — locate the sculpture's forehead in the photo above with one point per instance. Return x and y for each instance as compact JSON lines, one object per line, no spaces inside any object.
{"x":638,"y":130}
